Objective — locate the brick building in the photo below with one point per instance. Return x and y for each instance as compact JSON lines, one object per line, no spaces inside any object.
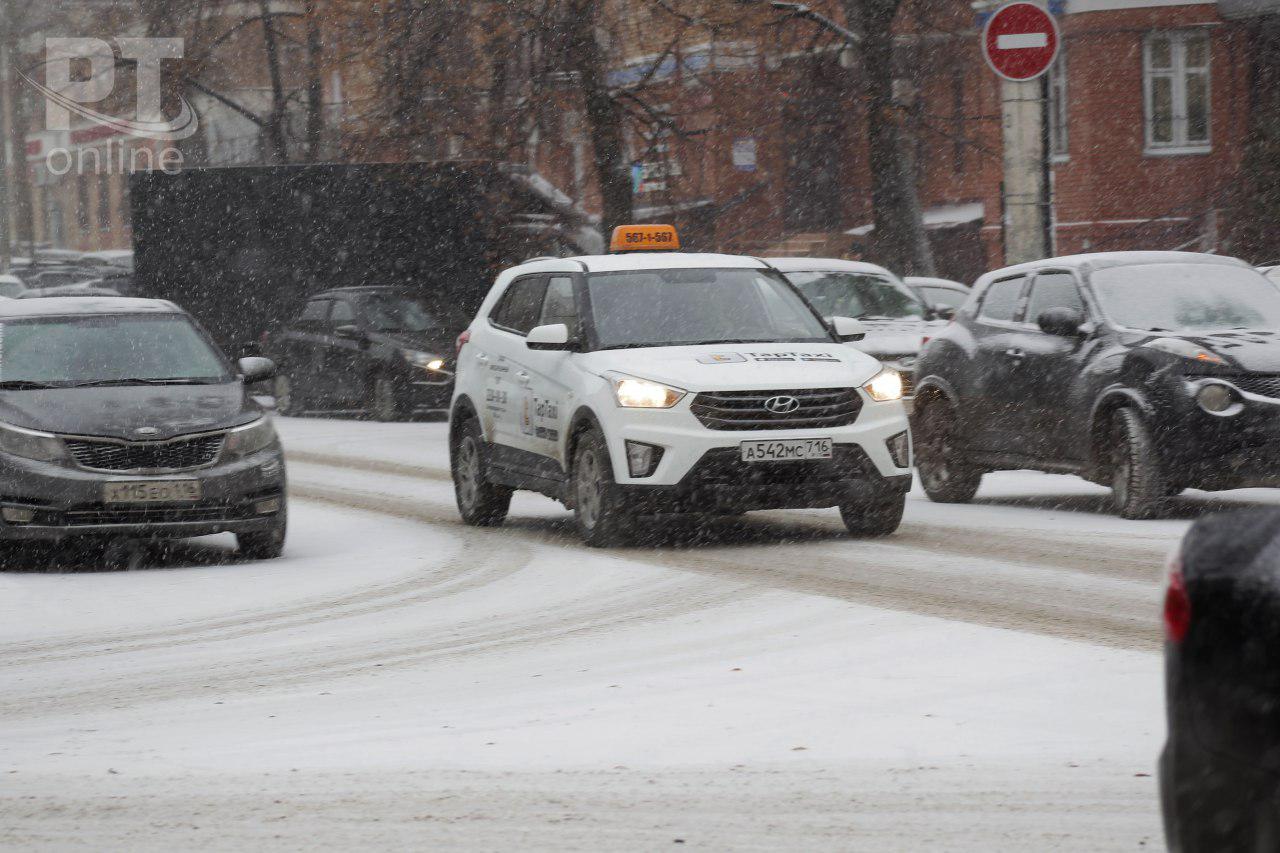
{"x":749,"y":133}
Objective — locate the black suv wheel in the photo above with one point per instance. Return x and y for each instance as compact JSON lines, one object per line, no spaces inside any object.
{"x":387,"y":403}
{"x":288,"y":400}
{"x":1138,"y":484}
{"x":944,"y":477}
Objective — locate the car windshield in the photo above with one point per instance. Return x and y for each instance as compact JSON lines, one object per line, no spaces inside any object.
{"x":391,"y":313}
{"x":699,"y":306}
{"x":1187,"y":297}
{"x":114,"y":349}
{"x":945,"y":297}
{"x":846,"y":294}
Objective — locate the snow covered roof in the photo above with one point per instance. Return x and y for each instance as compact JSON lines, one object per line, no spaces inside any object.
{"x":827,"y":265}
{"x":926,"y":281}
{"x":942,"y":216}
{"x":1103,"y":260}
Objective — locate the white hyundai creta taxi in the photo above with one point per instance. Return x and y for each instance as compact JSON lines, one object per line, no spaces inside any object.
{"x":653,"y":381}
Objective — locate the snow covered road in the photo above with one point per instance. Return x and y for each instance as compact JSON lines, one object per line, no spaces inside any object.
{"x":399,"y":680}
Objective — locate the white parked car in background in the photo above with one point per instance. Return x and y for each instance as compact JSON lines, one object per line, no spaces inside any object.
{"x":896,"y":319}
{"x":648,"y":382}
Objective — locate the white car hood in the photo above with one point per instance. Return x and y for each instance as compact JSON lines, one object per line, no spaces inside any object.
{"x":892,"y":338}
{"x":740,"y":367}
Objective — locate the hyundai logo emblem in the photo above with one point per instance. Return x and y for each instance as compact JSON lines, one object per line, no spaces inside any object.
{"x":782,"y":405}
{"x":146,"y":432}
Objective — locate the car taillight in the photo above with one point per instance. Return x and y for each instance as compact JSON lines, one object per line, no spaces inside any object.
{"x":462,"y":340}
{"x":1177,"y":607}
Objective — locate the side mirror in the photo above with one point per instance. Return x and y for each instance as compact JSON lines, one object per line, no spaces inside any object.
{"x":1062,"y":322}
{"x":350,"y":333}
{"x":256,"y":369}
{"x":848,"y":329}
{"x":553,"y":336}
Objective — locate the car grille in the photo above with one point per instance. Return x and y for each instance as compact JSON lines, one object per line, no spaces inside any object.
{"x":1263,"y":386}
{"x":745,"y":410}
{"x":153,"y":515}
{"x":179,"y":455}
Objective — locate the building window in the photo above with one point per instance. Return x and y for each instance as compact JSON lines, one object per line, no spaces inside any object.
{"x":1058,"y":106}
{"x":1176,"y":81}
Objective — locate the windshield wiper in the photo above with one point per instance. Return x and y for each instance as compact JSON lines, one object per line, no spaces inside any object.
{"x":878,"y":317}
{"x":24,"y":385}
{"x":109,"y":383}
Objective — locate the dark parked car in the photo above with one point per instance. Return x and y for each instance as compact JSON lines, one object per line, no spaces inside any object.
{"x":379,"y":349}
{"x":1220,"y":769}
{"x":942,"y":296}
{"x":87,"y":289}
{"x":1151,"y":372}
{"x":120,"y":419}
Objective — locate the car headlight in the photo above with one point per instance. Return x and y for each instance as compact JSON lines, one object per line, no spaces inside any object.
{"x":30,"y":444}
{"x":634,"y":393}
{"x":1185,"y":349}
{"x":250,"y":438}
{"x":885,"y":386}
{"x":424,"y":360}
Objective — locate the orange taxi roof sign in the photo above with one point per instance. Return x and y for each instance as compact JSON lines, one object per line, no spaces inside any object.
{"x":644,"y":238}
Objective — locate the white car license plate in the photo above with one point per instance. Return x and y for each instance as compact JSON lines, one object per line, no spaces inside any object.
{"x":155,"y":491}
{"x":786,"y":450}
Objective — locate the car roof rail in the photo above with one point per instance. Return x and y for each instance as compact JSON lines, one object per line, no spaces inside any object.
{"x":540,"y":258}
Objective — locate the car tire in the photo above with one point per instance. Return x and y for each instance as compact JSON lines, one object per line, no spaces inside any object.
{"x":872,"y":519}
{"x":945,"y":480}
{"x":480,"y":503}
{"x":266,"y":544}
{"x":1138,"y":485}
{"x":288,"y":400}
{"x":386,"y":401}
{"x":599,"y":512}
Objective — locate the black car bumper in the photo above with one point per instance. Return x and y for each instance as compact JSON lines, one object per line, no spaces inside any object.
{"x":429,"y":394}
{"x":243,"y":496}
{"x":1212,"y":802}
{"x":721,"y":482}
{"x":1236,"y":450}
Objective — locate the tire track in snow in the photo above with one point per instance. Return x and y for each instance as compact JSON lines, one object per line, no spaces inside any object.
{"x":902,"y":572}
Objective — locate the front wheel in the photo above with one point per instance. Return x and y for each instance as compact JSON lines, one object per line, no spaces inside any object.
{"x":480,"y":503}
{"x":598,"y":509}
{"x":288,"y":400}
{"x":874,"y":518}
{"x":387,"y":404}
{"x":944,"y":477}
{"x":1138,"y":485}
{"x":266,"y":544}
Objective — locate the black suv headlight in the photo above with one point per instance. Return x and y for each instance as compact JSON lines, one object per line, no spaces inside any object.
{"x":32,"y":444}
{"x":250,"y":438}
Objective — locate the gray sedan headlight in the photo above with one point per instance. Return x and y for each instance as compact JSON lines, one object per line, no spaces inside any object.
{"x":30,"y":444}
{"x":250,"y":438}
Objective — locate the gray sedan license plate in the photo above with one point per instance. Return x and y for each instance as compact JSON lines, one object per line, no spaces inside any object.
{"x":786,"y":450}
{"x":154,"y":491}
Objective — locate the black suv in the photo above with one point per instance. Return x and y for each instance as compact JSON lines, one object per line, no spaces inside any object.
{"x":379,"y":349}
{"x":1151,"y":372}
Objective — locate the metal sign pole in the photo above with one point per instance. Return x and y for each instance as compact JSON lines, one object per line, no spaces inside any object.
{"x":6,"y":147}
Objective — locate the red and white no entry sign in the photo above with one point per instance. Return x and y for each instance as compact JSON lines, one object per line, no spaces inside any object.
{"x":1020,"y":41}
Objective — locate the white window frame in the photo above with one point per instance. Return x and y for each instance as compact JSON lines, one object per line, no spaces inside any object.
{"x":1059,"y":109}
{"x":1177,"y":73}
